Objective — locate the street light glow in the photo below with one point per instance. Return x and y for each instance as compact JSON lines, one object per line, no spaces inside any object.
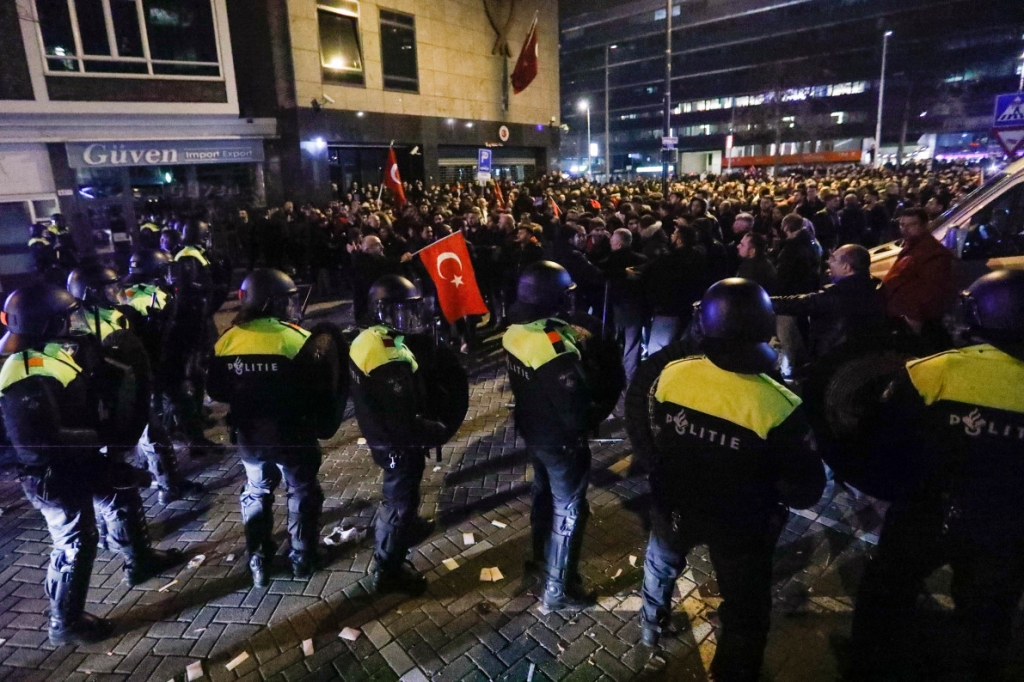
{"x":888,"y":33}
{"x":584,"y":105}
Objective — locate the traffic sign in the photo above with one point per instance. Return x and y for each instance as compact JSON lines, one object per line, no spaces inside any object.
{"x":1012,"y":141}
{"x":1009,"y":111}
{"x":669,"y":142}
{"x":483,"y":177}
{"x":483,"y":160}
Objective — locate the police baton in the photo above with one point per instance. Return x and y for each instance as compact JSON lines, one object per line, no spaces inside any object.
{"x":604,"y":312}
{"x":305,"y":302}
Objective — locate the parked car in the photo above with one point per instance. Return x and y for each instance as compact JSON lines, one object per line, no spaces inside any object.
{"x":986,"y":230}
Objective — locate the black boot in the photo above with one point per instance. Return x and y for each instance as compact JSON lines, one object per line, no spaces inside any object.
{"x":141,"y":561}
{"x":67,"y":583}
{"x":259,"y":566}
{"x":402,"y":578}
{"x":563,"y":589}
{"x":657,"y":596}
{"x":418,"y":531}
{"x":305,"y":564}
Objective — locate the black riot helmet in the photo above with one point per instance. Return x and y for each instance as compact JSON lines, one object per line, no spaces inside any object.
{"x":266,"y":292}
{"x":395,"y":302}
{"x":736,"y":321}
{"x":994,"y":310}
{"x":196,"y":233}
{"x":35,"y":314}
{"x":149,"y":265}
{"x":543,"y":290}
{"x":97,"y":285}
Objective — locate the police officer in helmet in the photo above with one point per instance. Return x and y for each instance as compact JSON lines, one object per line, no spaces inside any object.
{"x":105,"y":315}
{"x":263,"y":367}
{"x":53,"y":423}
{"x":555,"y":396}
{"x":394,"y":371}
{"x":732,"y":449}
{"x":955,"y":421}
{"x":149,"y":293}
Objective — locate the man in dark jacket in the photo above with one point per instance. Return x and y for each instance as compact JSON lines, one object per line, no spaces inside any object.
{"x":851,"y":310}
{"x":754,"y":264}
{"x":827,"y":222}
{"x":671,"y":285}
{"x":797,"y":265}
{"x":625,"y":297}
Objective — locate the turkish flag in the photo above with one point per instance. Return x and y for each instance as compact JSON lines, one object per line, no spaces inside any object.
{"x":393,"y":181}
{"x":526,"y":65}
{"x":447,"y":261}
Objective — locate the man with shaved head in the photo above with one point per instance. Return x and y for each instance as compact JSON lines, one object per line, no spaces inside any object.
{"x":849,"y":312}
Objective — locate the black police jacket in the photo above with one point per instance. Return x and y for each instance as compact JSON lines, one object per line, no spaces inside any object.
{"x":953,"y":424}
{"x":388,"y":392}
{"x":260,"y":368}
{"x":730,"y":446}
{"x":49,"y":412}
{"x":546,"y":371}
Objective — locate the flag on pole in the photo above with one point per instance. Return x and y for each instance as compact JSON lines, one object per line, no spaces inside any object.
{"x":499,"y":195}
{"x":447,"y":261}
{"x":393,"y":180}
{"x":526,"y":65}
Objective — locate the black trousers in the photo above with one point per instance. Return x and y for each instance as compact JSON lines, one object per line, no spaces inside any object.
{"x":742,"y":558}
{"x":298,"y":468}
{"x":560,"y":480}
{"x":399,"y":503}
{"x":985,"y":549}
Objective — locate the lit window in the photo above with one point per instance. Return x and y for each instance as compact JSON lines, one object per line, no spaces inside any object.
{"x":341,"y":57}
{"x":398,"y":51}
{"x":838,"y":117}
{"x":129,"y":37}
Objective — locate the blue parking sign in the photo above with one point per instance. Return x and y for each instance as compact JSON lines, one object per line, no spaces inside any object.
{"x":483,"y":160}
{"x":1009,"y":111}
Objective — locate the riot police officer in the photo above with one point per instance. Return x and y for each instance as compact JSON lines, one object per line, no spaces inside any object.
{"x":54,"y":426}
{"x":955,"y":421}
{"x":103,"y":314}
{"x":149,"y":294}
{"x":410,"y":395}
{"x":560,"y":398}
{"x":731,"y":447}
{"x":43,"y":252}
{"x":272,"y":373}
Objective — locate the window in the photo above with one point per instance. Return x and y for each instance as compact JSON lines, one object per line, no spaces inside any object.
{"x":398,"y":51}
{"x":341,"y":57}
{"x":129,"y":37}
{"x":997,"y":231}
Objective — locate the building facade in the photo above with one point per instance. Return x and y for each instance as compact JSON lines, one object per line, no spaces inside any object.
{"x":109,"y":105}
{"x":795,"y":81}
{"x":348,"y":79}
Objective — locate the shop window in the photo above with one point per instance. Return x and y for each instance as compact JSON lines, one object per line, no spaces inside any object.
{"x":341,"y":57}
{"x":129,"y":37}
{"x":398,"y":51}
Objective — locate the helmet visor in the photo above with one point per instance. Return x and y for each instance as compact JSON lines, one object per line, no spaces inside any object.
{"x":409,"y":317}
{"x":293,"y":309}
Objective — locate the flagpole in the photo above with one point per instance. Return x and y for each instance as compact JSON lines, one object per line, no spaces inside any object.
{"x":436,"y":241}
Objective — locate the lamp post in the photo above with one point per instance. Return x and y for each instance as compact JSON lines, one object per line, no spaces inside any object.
{"x":668,"y":95}
{"x":607,"y":134}
{"x":881,"y":94}
{"x":1020,"y":88}
{"x":584,"y":105}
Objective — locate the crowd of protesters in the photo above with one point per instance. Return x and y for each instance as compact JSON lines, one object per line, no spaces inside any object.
{"x":640,"y":257}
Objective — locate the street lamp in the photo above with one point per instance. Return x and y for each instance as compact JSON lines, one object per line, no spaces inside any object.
{"x":607,"y":134}
{"x":881,"y":94}
{"x":584,"y":105}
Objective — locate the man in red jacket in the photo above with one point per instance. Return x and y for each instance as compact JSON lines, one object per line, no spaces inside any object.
{"x":920,"y":286}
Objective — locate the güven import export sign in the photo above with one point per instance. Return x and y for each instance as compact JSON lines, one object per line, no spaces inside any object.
{"x":162,"y":153}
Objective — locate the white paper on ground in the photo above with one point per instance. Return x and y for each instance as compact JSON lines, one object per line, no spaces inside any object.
{"x":168,"y":586}
{"x":491,"y":575}
{"x":499,"y":524}
{"x":450,"y":564}
{"x":197,"y":561}
{"x":468,"y":539}
{"x":632,"y":560}
{"x":237,"y":661}
{"x":307,"y":647}
{"x":194,"y":671}
{"x":351,"y":634}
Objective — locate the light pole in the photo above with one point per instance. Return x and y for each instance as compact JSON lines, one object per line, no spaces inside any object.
{"x":668,"y":95}
{"x":881,"y":94}
{"x":584,"y":105}
{"x":607,"y":134}
{"x":1020,"y":88}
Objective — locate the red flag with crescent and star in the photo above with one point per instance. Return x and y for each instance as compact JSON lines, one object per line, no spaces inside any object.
{"x":527,"y":64}
{"x":447,"y":261}
{"x":393,"y":180}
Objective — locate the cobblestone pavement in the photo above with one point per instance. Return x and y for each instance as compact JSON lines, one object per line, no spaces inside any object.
{"x":462,"y":628}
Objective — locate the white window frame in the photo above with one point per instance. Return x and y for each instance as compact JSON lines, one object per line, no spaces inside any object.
{"x":146,"y":59}
{"x":348,"y":9}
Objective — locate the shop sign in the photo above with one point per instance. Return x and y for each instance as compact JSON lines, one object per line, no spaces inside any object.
{"x":163,"y":153}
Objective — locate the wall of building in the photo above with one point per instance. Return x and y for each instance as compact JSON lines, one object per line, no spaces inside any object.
{"x":458,"y":76}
